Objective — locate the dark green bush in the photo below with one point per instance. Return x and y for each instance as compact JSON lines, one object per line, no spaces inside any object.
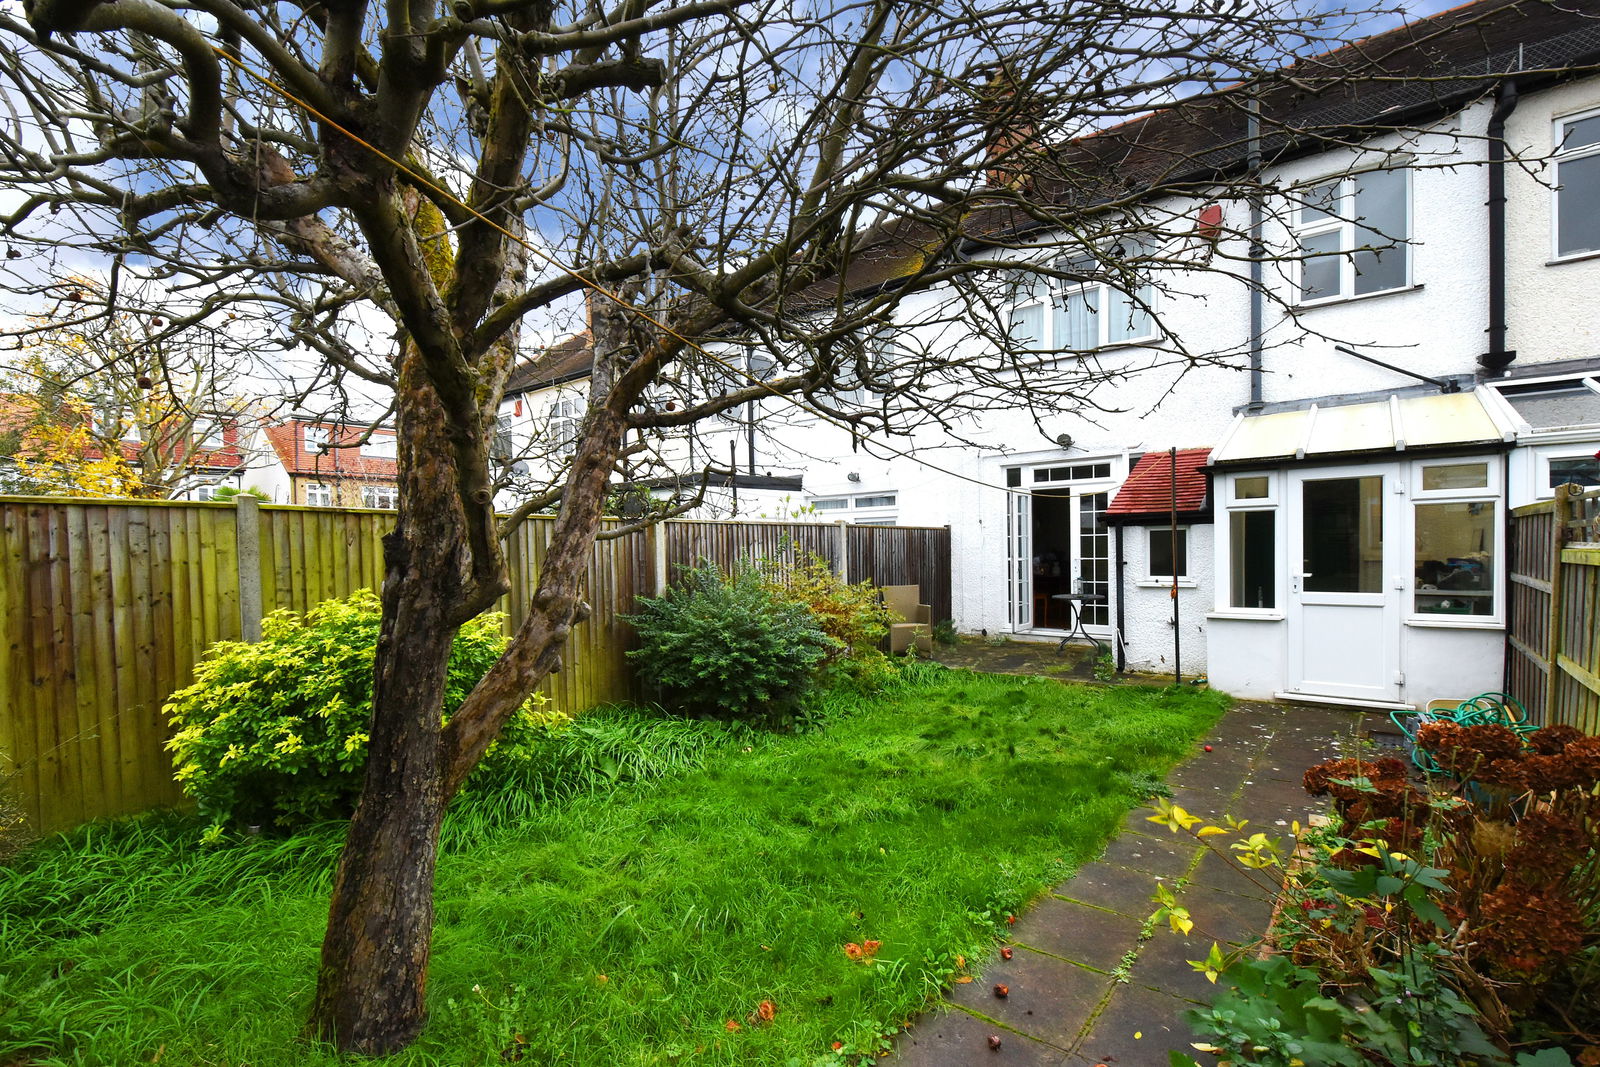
{"x":275,"y":732}
{"x":728,"y":645}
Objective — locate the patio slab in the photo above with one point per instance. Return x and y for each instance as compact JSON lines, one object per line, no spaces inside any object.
{"x":1077,"y":932}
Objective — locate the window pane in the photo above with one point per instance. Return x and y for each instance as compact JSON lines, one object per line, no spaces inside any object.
{"x":1579,"y":133}
{"x":1342,"y":538}
{"x":1381,"y":225}
{"x":1319,"y":270}
{"x":1129,"y":319}
{"x":1250,"y":488}
{"x":1161,"y":553}
{"x":1584,"y":470}
{"x":1455,"y":559}
{"x":829,"y":505}
{"x":875,"y":501}
{"x":1250,"y":556}
{"x":1578,"y":206}
{"x":1319,"y":203}
{"x":1456,"y":476}
{"x":1077,"y":324}
{"x":1027,"y":326}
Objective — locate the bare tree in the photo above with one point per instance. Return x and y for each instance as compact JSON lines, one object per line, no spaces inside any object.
{"x":717,"y":177}
{"x":110,"y":396}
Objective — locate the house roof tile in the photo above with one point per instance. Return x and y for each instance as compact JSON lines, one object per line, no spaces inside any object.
{"x":288,"y":440}
{"x":1148,"y":491}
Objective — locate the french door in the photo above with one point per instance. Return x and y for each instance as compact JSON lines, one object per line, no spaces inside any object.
{"x":1058,"y":543}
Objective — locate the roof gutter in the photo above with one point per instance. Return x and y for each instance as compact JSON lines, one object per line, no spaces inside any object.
{"x":1495,"y":361}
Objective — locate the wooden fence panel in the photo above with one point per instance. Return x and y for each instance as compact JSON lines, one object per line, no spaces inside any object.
{"x":107,"y":607}
{"x":690,"y":543}
{"x":1553,"y":632}
{"x":904,"y":555}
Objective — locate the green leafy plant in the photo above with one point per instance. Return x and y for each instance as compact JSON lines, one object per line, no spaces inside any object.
{"x":1105,"y":667}
{"x":944,"y":632}
{"x":729,"y":645}
{"x":274,"y":732}
{"x":853,"y":615}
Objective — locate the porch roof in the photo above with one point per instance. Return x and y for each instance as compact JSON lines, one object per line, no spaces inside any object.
{"x":1397,"y":423}
{"x":1147,"y":494}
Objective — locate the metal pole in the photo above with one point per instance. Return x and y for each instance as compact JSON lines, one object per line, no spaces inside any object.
{"x":1177,"y":643}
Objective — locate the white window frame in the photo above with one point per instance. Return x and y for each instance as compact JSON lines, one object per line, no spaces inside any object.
{"x":322,"y":490}
{"x":1493,"y":494}
{"x":1151,"y":578}
{"x":1344,"y":219}
{"x":1050,"y":295}
{"x":316,"y":437}
{"x":207,"y":491}
{"x":563,"y":420}
{"x":1558,"y":157}
{"x":848,"y":507}
{"x":1229,"y":505}
{"x":1543,"y":457}
{"x":379,"y":446}
{"x":384,"y":497}
{"x":208,"y":433}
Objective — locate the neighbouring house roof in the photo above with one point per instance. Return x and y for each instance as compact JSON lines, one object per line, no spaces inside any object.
{"x":567,"y":360}
{"x":288,"y":440}
{"x":1147,"y":494}
{"x":1397,"y":423}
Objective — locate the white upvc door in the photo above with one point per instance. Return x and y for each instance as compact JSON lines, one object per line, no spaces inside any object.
{"x":1345,"y":582}
{"x":1019,"y":569}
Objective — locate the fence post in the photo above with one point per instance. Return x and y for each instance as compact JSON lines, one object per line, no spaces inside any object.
{"x":841,"y":549}
{"x":247,"y":539}
{"x":1558,"y":537}
{"x":658,"y":556}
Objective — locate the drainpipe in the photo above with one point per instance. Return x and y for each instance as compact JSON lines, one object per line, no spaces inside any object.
{"x":1177,"y":625}
{"x":1495,"y":361}
{"x":1256,"y":251}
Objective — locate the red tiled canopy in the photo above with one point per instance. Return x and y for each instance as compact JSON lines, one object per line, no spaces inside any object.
{"x":1148,"y":491}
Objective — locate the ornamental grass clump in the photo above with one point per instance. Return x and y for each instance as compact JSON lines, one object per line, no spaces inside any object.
{"x":274,"y":733}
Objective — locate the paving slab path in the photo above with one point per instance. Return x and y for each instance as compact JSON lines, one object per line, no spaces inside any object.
{"x":1087,"y":983}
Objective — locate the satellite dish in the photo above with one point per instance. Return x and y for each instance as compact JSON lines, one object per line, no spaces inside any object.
{"x":1064,"y":440}
{"x":519,"y":469}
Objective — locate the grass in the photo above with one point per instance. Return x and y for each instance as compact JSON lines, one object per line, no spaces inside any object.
{"x":630,"y":916}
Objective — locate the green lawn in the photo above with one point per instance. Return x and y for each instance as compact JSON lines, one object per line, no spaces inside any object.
{"x":625,"y":926}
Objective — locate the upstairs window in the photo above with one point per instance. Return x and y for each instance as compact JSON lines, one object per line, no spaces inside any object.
{"x":562,"y":430}
{"x":1059,"y":314}
{"x":1577,"y":191}
{"x":208,"y":434}
{"x":379,"y":446}
{"x":316,"y":439}
{"x":1351,"y":235}
{"x":500,"y":449}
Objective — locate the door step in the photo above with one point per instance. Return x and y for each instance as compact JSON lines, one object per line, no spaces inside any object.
{"x":1344,"y":702}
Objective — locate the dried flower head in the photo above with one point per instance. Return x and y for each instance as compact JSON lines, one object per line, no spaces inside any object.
{"x":1549,"y":845}
{"x":1550,"y":740}
{"x":1526,"y":932}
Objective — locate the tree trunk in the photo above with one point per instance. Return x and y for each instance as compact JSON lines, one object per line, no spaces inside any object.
{"x":373,"y":977}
